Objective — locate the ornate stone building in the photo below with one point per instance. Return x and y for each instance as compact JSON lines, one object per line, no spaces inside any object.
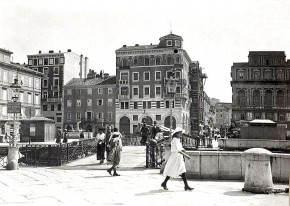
{"x":261,"y":88}
{"x":142,"y":72}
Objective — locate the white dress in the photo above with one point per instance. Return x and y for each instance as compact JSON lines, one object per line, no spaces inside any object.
{"x":175,"y":165}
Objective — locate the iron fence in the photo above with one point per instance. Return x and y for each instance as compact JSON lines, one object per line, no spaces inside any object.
{"x":56,"y":155}
{"x":155,"y":150}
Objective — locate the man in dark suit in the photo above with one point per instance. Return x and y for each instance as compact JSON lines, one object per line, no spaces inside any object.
{"x":155,"y":130}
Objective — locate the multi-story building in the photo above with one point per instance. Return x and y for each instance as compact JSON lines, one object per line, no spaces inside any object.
{"x":90,"y":102}
{"x":260,"y":88}
{"x":223,"y":114}
{"x":29,"y":93}
{"x":197,"y":81}
{"x":142,"y":72}
{"x":57,"y":68}
{"x":207,"y":112}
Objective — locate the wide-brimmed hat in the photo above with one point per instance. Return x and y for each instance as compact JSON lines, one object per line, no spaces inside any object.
{"x":178,"y":129}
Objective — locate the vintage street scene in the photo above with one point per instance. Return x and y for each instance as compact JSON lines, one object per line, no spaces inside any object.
{"x":145,"y":102}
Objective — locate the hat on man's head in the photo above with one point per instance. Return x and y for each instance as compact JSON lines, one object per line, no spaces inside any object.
{"x":178,"y":129}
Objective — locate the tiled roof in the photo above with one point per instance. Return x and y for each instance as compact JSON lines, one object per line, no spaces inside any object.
{"x":170,"y":36}
{"x":139,"y":47}
{"x":84,"y":82}
{"x":109,"y":80}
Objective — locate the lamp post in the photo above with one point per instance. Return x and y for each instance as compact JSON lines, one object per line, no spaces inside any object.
{"x":171,"y":90}
{"x":13,"y":107}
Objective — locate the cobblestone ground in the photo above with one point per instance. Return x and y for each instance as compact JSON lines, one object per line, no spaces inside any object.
{"x":85,"y":182}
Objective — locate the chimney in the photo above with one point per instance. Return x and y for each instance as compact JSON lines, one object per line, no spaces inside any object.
{"x":50,"y":51}
{"x":81,"y":66}
{"x":59,"y":51}
{"x":86,"y":65}
{"x":69,"y":50}
{"x":106,"y":75}
{"x":136,"y":44}
{"x":124,"y":45}
{"x":39,"y":52}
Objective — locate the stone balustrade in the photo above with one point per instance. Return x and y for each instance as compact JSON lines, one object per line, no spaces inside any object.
{"x":225,"y":165}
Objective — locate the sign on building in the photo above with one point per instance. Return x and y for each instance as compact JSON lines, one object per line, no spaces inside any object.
{"x":14,"y":107}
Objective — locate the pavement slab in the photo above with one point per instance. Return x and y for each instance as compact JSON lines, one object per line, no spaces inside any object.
{"x":86,"y":182}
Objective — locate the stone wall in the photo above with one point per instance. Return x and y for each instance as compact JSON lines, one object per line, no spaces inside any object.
{"x":221,"y":165}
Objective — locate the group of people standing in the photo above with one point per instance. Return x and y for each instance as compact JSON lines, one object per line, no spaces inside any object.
{"x":109,"y":144}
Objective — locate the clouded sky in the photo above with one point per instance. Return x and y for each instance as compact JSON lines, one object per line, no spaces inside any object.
{"x":215,"y":32}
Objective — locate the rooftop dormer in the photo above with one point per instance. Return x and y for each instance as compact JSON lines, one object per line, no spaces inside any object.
{"x":171,"y":40}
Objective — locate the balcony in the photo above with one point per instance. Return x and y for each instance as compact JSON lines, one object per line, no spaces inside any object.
{"x":123,"y":97}
{"x":184,"y":96}
{"x":124,"y":67}
{"x":259,"y":108}
{"x":123,"y":82}
{"x":53,"y":99}
{"x":178,"y":80}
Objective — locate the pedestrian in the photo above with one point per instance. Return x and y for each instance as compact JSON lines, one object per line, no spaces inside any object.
{"x":175,"y":165}
{"x":144,"y":133}
{"x":6,"y":138}
{"x":108,"y":135}
{"x":100,"y":139}
{"x":82,"y":136}
{"x":115,"y":153}
{"x":155,"y":129}
{"x":58,"y":136}
{"x":64,"y":136}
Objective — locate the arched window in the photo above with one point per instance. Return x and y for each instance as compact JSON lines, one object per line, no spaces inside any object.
{"x":242,"y":97}
{"x":256,"y":98}
{"x":146,"y":61}
{"x":268,"y":98}
{"x":125,"y":62}
{"x":158,"y":61}
{"x":268,"y":74}
{"x":135,"y":62}
{"x":280,"y":98}
{"x":169,"y":60}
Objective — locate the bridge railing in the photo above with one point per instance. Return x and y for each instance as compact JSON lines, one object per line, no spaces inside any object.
{"x":155,"y":149}
{"x":56,"y":155}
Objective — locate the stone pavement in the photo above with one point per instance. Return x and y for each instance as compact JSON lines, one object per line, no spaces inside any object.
{"x":85,"y":182}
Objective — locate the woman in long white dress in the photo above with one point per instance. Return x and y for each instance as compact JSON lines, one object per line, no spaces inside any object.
{"x":175,"y":166}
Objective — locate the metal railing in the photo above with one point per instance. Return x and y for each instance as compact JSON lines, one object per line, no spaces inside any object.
{"x":155,"y":150}
{"x":56,"y":155}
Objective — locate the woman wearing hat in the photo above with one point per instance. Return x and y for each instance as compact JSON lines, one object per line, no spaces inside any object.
{"x":175,"y":165}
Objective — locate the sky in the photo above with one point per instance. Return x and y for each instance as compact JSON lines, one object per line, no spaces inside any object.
{"x":215,"y":32}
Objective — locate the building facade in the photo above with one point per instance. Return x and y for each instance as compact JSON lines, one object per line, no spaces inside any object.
{"x":90,"y":102}
{"x":57,"y":69}
{"x":260,"y":88}
{"x":197,"y":96}
{"x":29,"y":93}
{"x":223,"y":115}
{"x":142,"y":73}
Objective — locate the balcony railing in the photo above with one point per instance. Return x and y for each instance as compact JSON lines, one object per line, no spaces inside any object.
{"x":259,"y":107}
{"x":123,"y":97}
{"x":53,"y":99}
{"x":123,"y":82}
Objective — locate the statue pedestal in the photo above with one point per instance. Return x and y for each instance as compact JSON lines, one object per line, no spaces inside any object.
{"x":12,"y":158}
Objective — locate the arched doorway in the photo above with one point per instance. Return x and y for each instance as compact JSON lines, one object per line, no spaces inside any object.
{"x":124,"y":125}
{"x":167,"y":122}
{"x":68,"y":128}
{"x":147,"y":120}
{"x":89,"y":128}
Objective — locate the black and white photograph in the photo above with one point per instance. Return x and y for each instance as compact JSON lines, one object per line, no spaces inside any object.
{"x":156,"y":102}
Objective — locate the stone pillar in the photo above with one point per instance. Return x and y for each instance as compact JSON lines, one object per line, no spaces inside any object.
{"x":12,"y":158}
{"x":258,"y":175}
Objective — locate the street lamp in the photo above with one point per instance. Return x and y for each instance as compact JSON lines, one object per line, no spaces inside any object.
{"x":171,"y":90}
{"x":15,"y":107}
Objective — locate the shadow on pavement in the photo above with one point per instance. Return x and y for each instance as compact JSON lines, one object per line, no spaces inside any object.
{"x":238,"y":193}
{"x":152,"y":192}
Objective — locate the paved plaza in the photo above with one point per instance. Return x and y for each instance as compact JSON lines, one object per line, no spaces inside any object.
{"x":85,"y":182}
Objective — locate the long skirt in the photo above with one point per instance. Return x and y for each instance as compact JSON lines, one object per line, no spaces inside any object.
{"x":115,"y":156}
{"x":100,"y":151}
{"x":175,"y":165}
